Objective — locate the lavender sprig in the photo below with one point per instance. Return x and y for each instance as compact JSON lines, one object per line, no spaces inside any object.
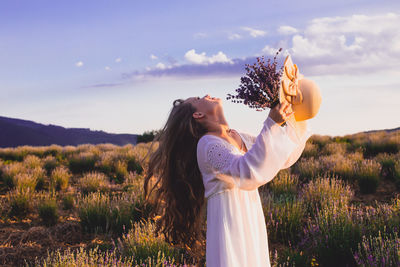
{"x":259,"y":88}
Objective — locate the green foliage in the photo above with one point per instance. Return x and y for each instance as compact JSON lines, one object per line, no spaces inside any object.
{"x":284,"y":184}
{"x":83,"y":162}
{"x":142,"y":242}
{"x":284,"y":218}
{"x":134,"y":166}
{"x":323,"y":192}
{"x":20,"y":203}
{"x":92,"y":182}
{"x":47,"y":209}
{"x":147,"y":136}
{"x":368,"y":176}
{"x":332,"y":236}
{"x":100,"y":213}
{"x":378,"y":251}
{"x":68,"y":202}
{"x":120,"y":172}
{"x":308,"y":168}
{"x":310,"y":150}
{"x":374,"y":148}
{"x":80,"y":257}
{"x":291,"y":257}
{"x":50,"y":163}
{"x":60,"y":178}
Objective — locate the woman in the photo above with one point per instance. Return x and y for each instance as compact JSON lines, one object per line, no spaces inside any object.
{"x":199,"y":157}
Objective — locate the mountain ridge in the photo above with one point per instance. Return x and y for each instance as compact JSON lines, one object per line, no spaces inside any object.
{"x":17,"y":132}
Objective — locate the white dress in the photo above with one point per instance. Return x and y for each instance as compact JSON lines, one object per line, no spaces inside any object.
{"x":236,"y":229}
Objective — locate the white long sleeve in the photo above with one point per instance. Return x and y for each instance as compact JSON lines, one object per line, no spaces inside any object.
{"x":274,"y":148}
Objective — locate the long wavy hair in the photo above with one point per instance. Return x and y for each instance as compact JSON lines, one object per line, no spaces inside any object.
{"x":174,"y":177}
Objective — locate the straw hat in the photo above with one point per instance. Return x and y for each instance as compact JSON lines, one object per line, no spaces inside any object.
{"x":302,"y":93}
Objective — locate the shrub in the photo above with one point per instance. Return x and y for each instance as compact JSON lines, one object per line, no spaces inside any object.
{"x":134,"y":166}
{"x":334,"y":148}
{"x":31,"y":161}
{"x":47,"y":209}
{"x":81,"y":257}
{"x":101,"y":213}
{"x":284,"y":217}
{"x":324,"y":191}
{"x":83,"y":162}
{"x":372,"y":148}
{"x":24,"y":181}
{"x":10,"y":171}
{"x":50,"y":163}
{"x":291,"y":257}
{"x":68,"y":202}
{"x":12,"y":154}
{"x":320,"y":140}
{"x":397,"y":174}
{"x":339,"y":165}
{"x":120,"y":172}
{"x":310,"y":150}
{"x":92,"y":182}
{"x":387,"y":162}
{"x":332,"y":236}
{"x":378,"y":251}
{"x":94,"y":213}
{"x":382,"y":218}
{"x":20,"y":203}
{"x":59,"y":178}
{"x":52,"y":151}
{"x":308,"y":168}
{"x":40,"y":183}
{"x":284,"y":184}
{"x":368,"y":176}
{"x":142,"y":242}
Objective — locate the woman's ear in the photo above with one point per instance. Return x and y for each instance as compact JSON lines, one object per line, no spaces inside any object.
{"x":198,"y":115}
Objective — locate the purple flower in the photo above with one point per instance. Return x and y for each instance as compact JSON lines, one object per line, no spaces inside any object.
{"x":259,"y":88}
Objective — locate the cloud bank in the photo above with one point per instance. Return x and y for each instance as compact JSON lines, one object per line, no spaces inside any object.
{"x":356,"y":44}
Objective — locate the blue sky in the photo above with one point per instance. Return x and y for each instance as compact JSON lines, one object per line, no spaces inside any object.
{"x":118,"y":65}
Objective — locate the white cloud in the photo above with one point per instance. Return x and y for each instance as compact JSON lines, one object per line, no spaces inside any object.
{"x":352,"y":44}
{"x":153,"y":57}
{"x":107,"y":68}
{"x":161,"y":66}
{"x":254,"y":32}
{"x":268,"y":50}
{"x":287,"y":30}
{"x":79,"y":64}
{"x":234,"y":36}
{"x":117,"y":60}
{"x":195,"y":58}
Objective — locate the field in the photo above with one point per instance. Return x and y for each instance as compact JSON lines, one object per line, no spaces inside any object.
{"x":339,"y":205}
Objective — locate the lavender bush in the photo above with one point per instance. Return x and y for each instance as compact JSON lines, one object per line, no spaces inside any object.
{"x":378,"y":251}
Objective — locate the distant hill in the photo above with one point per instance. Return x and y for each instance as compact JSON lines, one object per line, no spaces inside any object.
{"x":17,"y":132}
{"x":386,"y":130}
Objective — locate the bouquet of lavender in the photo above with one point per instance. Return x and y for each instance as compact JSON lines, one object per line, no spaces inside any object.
{"x":259,"y":88}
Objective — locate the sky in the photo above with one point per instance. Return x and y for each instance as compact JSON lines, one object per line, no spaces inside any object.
{"x":118,"y":65}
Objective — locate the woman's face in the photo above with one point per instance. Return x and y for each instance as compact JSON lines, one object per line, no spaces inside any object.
{"x":206,"y":104}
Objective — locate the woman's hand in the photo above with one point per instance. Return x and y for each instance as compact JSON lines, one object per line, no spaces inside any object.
{"x":281,"y":112}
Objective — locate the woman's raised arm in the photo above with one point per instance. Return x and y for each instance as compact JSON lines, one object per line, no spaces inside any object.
{"x":275,"y":148}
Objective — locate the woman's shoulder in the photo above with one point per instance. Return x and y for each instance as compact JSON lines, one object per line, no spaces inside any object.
{"x":208,"y":138}
{"x":209,"y":141}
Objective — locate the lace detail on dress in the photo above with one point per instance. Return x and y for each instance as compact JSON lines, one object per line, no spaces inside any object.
{"x":219,"y":155}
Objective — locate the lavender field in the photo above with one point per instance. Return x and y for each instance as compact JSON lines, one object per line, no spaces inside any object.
{"x":339,"y":205}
